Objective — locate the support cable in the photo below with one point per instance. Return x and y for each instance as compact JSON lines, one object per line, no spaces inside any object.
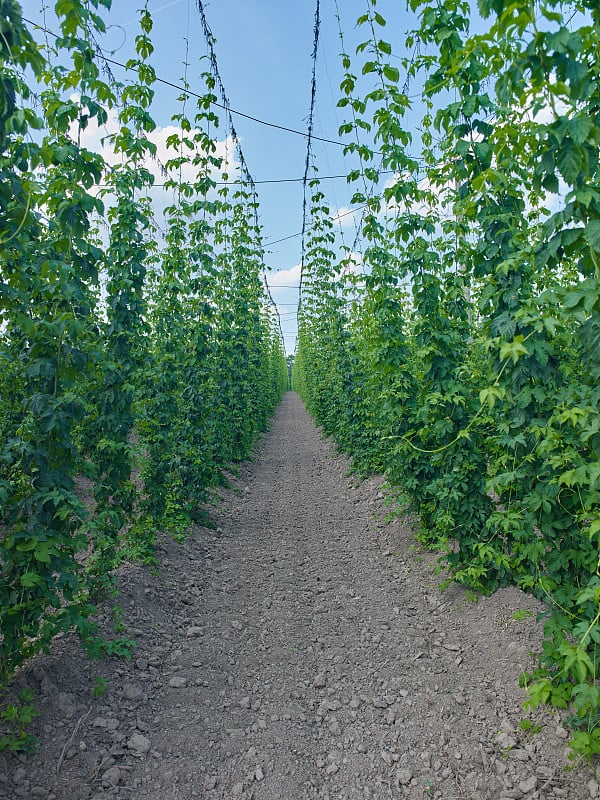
{"x":101,"y":54}
{"x":313,"y":95}
{"x":164,"y":82}
{"x":270,"y":296}
{"x":245,"y":174}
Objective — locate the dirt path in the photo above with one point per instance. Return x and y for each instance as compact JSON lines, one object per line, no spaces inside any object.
{"x":302,"y":650}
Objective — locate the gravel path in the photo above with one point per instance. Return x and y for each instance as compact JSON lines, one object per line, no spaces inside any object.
{"x":300,"y":650}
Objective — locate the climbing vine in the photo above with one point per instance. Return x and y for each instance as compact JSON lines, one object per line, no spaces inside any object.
{"x":140,"y":356}
{"x":473,"y":331}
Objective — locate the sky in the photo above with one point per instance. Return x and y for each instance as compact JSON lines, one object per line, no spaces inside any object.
{"x":263,"y":50}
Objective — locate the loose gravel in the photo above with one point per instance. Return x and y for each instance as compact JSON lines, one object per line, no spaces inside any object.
{"x":300,"y":650}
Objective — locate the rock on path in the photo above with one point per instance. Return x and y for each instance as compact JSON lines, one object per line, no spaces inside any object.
{"x":302,"y":650}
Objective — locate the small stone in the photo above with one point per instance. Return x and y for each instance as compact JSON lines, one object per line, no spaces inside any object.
{"x":237,"y":626}
{"x":320,"y":680}
{"x":238,"y":789}
{"x":593,"y":789}
{"x":139,"y":743}
{"x":66,"y":704}
{"x":39,"y":791}
{"x":142,"y":664}
{"x":512,"y":794}
{"x":259,"y":775}
{"x":210,"y":782}
{"x":404,"y":776}
{"x":112,"y":776}
{"x":518,"y":755}
{"x":245,"y":702}
{"x":20,"y":775}
{"x":178,"y":682}
{"x":332,"y":769}
{"x":47,"y":688}
{"x":131,"y":692}
{"x":390,"y":716}
{"x":194,"y":630}
{"x":529,"y":785}
{"x":505,"y":741}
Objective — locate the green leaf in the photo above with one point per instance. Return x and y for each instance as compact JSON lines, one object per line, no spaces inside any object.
{"x":592,"y":234}
{"x":569,"y":162}
{"x":484,"y":8}
{"x":369,"y":66}
{"x":580,"y":129}
{"x":43,"y":551}
{"x":490,"y":395}
{"x":513,"y":350}
{"x":31,"y":579}
{"x":391,"y":73}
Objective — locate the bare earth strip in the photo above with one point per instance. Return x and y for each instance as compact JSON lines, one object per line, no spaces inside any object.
{"x":302,"y":650}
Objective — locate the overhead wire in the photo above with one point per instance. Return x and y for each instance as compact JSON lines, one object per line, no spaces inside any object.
{"x":334,"y":107}
{"x":274,"y":304}
{"x":225,"y":105}
{"x":100,"y":52}
{"x":311,"y":115}
{"x":295,"y":235}
{"x":358,"y":227}
{"x":249,"y":180}
{"x":210,"y":43}
{"x":278,"y":180}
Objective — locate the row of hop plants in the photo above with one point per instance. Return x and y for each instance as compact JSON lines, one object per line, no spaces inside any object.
{"x":139,"y":356}
{"x":459,"y":350}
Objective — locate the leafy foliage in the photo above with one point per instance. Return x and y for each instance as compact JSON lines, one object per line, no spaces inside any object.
{"x":134,"y":366}
{"x":465,"y":364}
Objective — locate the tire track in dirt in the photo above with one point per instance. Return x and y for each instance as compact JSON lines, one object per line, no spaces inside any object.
{"x":304,"y":651}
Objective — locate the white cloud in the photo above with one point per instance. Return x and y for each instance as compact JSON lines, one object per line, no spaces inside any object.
{"x":285,"y":277}
{"x":98,"y":139}
{"x":344,"y":216}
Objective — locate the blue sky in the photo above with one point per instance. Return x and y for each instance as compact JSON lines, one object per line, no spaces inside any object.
{"x":264,"y":54}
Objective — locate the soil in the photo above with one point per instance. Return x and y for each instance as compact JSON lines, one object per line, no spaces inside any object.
{"x":302,"y":649}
